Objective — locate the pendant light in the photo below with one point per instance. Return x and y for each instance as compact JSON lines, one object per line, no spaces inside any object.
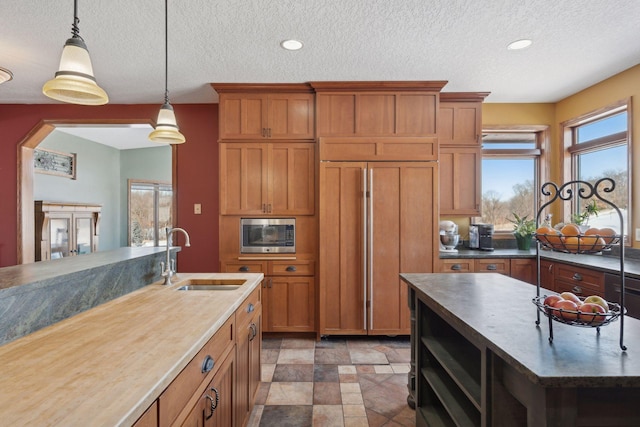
{"x":74,"y":82}
{"x":166,"y":130}
{"x":5,"y":75}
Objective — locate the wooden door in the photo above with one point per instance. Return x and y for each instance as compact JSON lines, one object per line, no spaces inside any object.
{"x":243,"y":178}
{"x":460,"y":180}
{"x":341,"y":235}
{"x":291,"y":116}
{"x":291,"y":188}
{"x":242,"y":116}
{"x":401,"y":238}
{"x":290,"y":304}
{"x":243,"y":401}
{"x":547,"y":275}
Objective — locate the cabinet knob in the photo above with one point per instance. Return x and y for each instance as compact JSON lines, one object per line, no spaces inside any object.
{"x":577,"y":277}
{"x":577,"y":290}
{"x":291,"y":268}
{"x":208,"y":364}
{"x":250,"y":308}
{"x":244,"y":268}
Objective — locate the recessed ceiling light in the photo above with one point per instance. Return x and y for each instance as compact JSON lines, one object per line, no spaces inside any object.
{"x":519,"y":44}
{"x":291,"y":44}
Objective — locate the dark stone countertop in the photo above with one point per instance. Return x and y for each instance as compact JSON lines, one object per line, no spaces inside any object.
{"x":497,"y":311}
{"x":605,"y":263}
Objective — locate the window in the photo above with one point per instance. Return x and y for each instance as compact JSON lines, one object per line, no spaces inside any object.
{"x":598,"y":147}
{"x":149,"y":212}
{"x":512,"y":168}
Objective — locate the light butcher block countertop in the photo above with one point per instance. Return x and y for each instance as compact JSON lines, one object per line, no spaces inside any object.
{"x":105,"y":366}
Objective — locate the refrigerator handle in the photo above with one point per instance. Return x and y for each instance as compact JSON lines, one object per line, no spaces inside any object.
{"x":370,"y":257}
{"x":364,"y":247}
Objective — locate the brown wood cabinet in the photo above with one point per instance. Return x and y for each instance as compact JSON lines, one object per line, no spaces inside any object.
{"x":460,"y":180}
{"x":267,"y":178}
{"x":215,"y":405}
{"x":348,"y":109}
{"x":519,"y":268}
{"x":288,"y":292}
{"x":460,"y":118}
{"x":547,"y":279}
{"x":256,"y":112}
{"x":249,"y":321}
{"x":65,"y":229}
{"x":579,"y":280}
{"x":376,"y":220}
{"x":524,"y":269}
{"x":187,"y":390}
{"x":459,"y":137}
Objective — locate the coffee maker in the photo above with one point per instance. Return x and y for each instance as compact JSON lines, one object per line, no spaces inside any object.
{"x":481,"y":237}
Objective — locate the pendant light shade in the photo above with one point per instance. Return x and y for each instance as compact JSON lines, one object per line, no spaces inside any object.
{"x":74,"y":82}
{"x":166,"y":130}
{"x":5,"y":75}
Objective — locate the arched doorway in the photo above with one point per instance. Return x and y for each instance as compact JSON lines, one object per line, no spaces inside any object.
{"x":26,"y":217}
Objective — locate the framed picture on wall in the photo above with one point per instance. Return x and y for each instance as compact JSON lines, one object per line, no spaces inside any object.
{"x":54,"y":163}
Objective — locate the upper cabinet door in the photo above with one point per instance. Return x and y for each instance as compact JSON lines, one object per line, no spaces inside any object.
{"x":266,"y":111}
{"x":290,"y":116}
{"x":243,"y":179}
{"x":243,"y":116}
{"x":460,"y":118}
{"x":393,"y":114}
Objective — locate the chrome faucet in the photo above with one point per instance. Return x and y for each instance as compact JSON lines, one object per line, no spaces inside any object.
{"x":169,"y":269}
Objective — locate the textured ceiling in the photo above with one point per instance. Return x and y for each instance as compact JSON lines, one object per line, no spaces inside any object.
{"x":576,"y":43}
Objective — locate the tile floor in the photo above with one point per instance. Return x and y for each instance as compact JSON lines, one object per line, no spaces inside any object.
{"x":354,"y":381}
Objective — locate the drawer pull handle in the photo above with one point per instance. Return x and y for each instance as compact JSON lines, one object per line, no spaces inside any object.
{"x":492,"y":267}
{"x":207,"y":364}
{"x":250,"y":308}
{"x":577,"y":290}
{"x":577,"y":276}
{"x":291,"y":268}
{"x":456,"y":267}
{"x":214,"y":401}
{"x":244,"y":268}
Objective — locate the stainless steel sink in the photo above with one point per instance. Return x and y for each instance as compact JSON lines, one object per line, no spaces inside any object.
{"x":212,"y":285}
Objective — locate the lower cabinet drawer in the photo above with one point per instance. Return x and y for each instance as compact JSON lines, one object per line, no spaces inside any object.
{"x":249,"y":306}
{"x":243,"y":267}
{"x":493,"y":265}
{"x":174,"y":399}
{"x":456,"y":266}
{"x":580,"y":281}
{"x":291,"y":268}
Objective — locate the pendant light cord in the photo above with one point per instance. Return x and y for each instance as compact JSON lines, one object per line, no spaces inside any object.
{"x":166,"y":51}
{"x":75,"y":30}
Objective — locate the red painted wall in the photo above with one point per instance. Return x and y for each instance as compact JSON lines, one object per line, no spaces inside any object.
{"x":197,"y":171}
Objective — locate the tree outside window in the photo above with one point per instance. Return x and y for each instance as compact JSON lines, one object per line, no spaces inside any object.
{"x":149,"y":212}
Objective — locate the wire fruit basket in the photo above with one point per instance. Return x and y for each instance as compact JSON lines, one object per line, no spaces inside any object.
{"x":579,"y":318}
{"x":589,"y":242}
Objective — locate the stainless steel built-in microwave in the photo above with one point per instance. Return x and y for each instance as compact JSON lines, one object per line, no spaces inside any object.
{"x":267,"y":235}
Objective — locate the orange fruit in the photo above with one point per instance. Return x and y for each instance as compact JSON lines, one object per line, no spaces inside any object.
{"x":591,"y":243}
{"x":549,"y":235}
{"x":592,"y":232}
{"x":570,"y":230}
{"x":571,"y":243}
{"x":607,"y":234}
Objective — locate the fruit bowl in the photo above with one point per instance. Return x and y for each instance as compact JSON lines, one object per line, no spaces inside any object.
{"x":590,"y":320}
{"x":580,"y":244}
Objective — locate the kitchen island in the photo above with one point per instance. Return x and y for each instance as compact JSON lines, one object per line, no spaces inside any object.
{"x":480,"y":359}
{"x":108,"y":365}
